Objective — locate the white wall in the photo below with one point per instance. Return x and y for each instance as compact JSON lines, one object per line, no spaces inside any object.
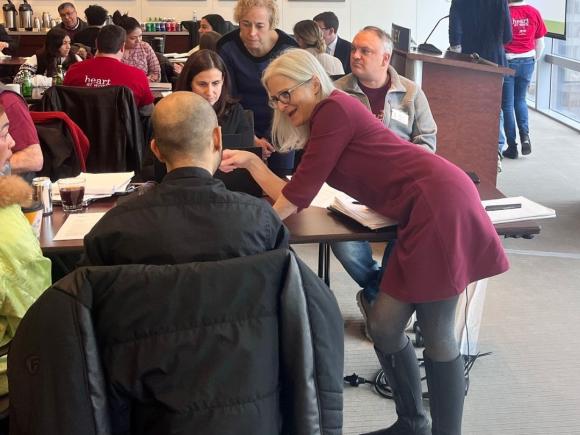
{"x":419,"y":15}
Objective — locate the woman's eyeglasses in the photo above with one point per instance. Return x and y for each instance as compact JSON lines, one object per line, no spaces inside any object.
{"x":284,"y":97}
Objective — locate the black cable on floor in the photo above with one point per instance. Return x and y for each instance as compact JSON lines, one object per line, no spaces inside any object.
{"x":381,"y":385}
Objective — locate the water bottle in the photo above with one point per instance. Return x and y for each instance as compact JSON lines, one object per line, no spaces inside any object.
{"x":194,"y":16}
{"x":58,"y":78}
{"x":27,"y":85}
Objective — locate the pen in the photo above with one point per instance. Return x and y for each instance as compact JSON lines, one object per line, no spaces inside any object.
{"x":502,"y":207}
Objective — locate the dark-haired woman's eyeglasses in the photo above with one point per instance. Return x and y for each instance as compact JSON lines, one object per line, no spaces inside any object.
{"x":285,"y":96}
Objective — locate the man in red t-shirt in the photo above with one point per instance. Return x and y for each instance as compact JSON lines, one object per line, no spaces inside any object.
{"x":27,"y":155}
{"x":106,"y":69}
{"x":527,"y":44}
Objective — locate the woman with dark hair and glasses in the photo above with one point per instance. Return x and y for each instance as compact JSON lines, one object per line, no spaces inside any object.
{"x":43,"y":65}
{"x":205,"y":74}
{"x":138,"y":53}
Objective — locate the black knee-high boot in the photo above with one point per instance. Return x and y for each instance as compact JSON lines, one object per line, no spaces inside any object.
{"x":446,"y":383}
{"x":402,"y":372}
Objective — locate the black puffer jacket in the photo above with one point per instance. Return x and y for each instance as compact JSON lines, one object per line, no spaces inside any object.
{"x":109,"y":118}
{"x":251,"y":345}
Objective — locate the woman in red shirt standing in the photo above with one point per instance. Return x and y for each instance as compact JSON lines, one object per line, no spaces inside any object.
{"x":445,"y":238}
{"x":522,"y":52}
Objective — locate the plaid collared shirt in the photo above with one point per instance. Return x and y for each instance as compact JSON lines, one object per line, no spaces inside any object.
{"x":144,"y":58}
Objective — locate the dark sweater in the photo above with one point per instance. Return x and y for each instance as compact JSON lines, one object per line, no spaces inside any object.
{"x":463,"y":30}
{"x":246,"y":72}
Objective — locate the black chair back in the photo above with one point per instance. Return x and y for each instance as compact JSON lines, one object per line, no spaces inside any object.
{"x":250,"y":345}
{"x":109,"y":118}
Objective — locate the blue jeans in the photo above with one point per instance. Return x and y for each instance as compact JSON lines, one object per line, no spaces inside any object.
{"x":357,"y":260}
{"x":514,"y":98}
{"x":501,"y":139}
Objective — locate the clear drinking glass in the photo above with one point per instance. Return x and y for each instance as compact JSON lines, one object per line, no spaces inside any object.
{"x":72,"y":191}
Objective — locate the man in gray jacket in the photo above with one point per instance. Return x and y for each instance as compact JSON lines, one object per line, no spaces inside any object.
{"x":398,"y":102}
{"x":403,"y":107}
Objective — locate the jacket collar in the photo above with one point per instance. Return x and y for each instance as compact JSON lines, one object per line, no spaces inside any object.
{"x":189,"y":172}
{"x":351,"y":85}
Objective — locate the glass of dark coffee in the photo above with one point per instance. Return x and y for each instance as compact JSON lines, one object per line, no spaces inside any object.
{"x":72,"y":191}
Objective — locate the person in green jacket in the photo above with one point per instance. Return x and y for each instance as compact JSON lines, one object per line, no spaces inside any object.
{"x":24,"y":272}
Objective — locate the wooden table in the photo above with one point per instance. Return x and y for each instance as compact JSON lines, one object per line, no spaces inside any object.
{"x":12,"y":61}
{"x":312,"y":225}
{"x":9,"y":66}
{"x":28,"y":43}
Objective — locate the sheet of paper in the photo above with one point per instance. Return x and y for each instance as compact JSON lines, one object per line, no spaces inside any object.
{"x":77,"y":226}
{"x":325,"y":196}
{"x":361,"y":213}
{"x":529,"y":210}
{"x":160,"y":86}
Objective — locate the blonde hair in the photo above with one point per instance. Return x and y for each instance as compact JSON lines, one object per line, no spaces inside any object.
{"x":309,"y":32}
{"x":244,"y":6}
{"x":297,"y":65}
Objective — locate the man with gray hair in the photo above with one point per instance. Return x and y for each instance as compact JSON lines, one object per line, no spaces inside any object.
{"x":190,"y":216}
{"x":402,"y":107}
{"x":71,"y":23}
{"x":398,"y":102}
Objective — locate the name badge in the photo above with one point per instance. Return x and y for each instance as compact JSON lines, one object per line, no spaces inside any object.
{"x":400,"y":116}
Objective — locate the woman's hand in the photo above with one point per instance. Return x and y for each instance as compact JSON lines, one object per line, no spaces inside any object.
{"x":267,"y":147}
{"x":177,"y":68}
{"x":234,"y":159}
{"x":3,"y":45}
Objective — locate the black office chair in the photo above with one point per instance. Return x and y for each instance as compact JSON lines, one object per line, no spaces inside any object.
{"x":110,"y":119}
{"x":193,"y":28}
{"x":250,"y":345}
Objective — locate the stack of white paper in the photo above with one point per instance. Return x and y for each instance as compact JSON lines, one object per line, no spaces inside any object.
{"x":180,"y":57}
{"x":529,"y":210}
{"x":175,"y":55}
{"x":156,"y":86}
{"x":107,"y":183}
{"x":360,"y":213}
{"x":325,"y":196}
{"x":101,"y":185}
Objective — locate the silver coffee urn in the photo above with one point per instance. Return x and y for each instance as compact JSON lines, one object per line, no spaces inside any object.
{"x":9,"y":15}
{"x":25,"y":12}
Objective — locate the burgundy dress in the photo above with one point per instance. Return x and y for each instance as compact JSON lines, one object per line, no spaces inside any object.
{"x":445,"y":239}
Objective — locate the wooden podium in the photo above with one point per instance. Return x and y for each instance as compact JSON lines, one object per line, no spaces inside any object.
{"x":465,"y":99}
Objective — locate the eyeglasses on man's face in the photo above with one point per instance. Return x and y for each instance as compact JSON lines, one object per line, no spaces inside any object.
{"x":285,"y":96}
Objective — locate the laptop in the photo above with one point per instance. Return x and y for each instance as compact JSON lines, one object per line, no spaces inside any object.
{"x":401,"y":38}
{"x":240,"y":180}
